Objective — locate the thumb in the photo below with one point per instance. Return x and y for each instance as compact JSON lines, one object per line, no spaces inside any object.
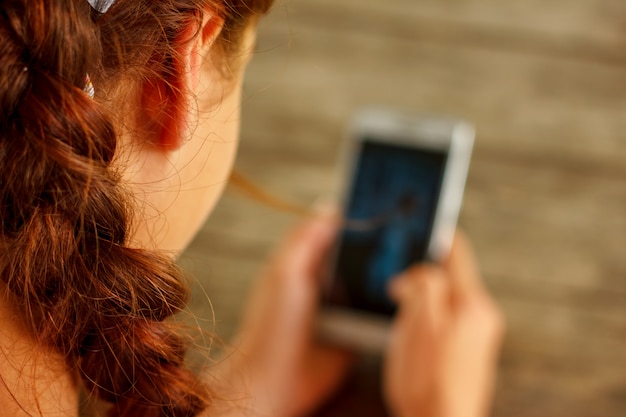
{"x":283,"y":301}
{"x":303,"y":254}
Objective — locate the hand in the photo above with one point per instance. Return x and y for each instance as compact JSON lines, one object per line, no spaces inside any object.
{"x":442,"y":356}
{"x":276,"y":367}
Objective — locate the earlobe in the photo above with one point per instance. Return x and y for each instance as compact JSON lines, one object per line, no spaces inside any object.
{"x":163,"y":112}
{"x":165,"y":101}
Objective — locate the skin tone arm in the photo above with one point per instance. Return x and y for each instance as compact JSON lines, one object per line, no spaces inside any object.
{"x":33,"y":382}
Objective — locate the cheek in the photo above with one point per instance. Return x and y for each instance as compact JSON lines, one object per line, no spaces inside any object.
{"x":209,"y":167}
{"x":202,"y":174}
{"x":177,"y":190}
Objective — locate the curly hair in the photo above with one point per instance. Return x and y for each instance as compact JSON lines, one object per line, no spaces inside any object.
{"x":64,"y":215}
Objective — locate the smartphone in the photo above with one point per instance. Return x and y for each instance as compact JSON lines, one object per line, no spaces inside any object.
{"x":406,"y":175}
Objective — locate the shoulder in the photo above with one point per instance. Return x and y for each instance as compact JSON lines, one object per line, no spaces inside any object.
{"x":33,"y":381}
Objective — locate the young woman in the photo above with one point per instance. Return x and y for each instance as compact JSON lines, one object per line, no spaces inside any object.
{"x":118,"y":125}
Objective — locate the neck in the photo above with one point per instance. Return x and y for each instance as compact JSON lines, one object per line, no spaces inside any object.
{"x":33,"y":380}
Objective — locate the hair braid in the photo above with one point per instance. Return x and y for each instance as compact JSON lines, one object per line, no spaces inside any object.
{"x":63,"y":236}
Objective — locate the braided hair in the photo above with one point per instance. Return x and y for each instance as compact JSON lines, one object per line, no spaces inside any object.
{"x":65,"y":216}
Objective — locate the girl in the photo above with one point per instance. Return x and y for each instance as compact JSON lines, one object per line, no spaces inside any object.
{"x":116,"y":115}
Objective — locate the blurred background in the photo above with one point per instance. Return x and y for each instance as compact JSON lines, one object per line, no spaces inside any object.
{"x":545,"y":85}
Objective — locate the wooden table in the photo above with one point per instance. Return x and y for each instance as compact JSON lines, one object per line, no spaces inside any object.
{"x":545,"y":84}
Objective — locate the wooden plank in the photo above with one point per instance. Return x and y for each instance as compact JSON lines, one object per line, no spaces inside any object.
{"x":576,"y":29}
{"x":517,"y":102}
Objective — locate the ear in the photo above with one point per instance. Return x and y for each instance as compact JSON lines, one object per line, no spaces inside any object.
{"x":166,"y":98}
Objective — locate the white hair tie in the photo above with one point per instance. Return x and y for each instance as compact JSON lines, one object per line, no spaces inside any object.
{"x":101,"y":6}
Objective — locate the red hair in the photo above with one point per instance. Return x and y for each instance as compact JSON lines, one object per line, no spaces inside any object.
{"x":64,"y":252}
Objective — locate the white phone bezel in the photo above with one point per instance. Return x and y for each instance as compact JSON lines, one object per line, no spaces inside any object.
{"x":368,"y":331}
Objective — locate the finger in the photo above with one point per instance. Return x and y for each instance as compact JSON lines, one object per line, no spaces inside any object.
{"x":416,"y":337}
{"x":403,"y":285}
{"x":325,"y":367}
{"x":422,"y":290}
{"x":423,"y":298}
{"x":306,"y":248}
{"x":288,"y":292}
{"x":463,"y":269}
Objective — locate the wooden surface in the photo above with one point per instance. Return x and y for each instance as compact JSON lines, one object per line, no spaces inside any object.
{"x":545,"y":84}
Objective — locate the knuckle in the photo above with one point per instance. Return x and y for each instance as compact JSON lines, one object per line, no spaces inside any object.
{"x":422,"y":281}
{"x":426,"y":275}
{"x":430,"y":284}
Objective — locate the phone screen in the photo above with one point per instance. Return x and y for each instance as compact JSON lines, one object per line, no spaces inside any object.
{"x":389,"y":218}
